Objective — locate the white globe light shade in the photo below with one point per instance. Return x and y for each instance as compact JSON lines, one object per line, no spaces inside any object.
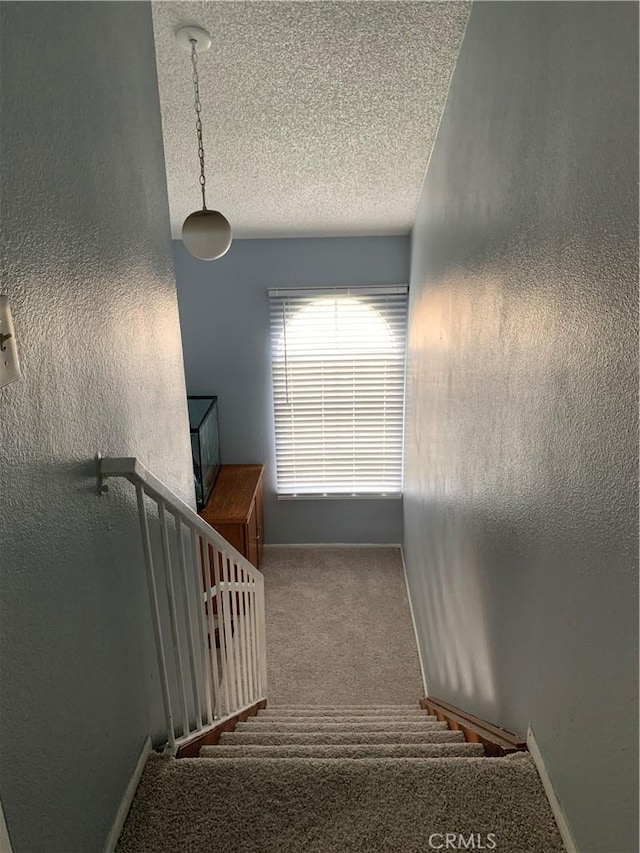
{"x":206,"y":235}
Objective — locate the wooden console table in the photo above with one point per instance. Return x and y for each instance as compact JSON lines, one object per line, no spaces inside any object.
{"x":235,"y":509}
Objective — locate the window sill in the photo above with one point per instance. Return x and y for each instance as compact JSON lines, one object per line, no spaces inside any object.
{"x":342,"y":497}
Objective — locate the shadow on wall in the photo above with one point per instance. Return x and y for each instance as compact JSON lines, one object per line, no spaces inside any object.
{"x":470,"y":466}
{"x":453,"y":595}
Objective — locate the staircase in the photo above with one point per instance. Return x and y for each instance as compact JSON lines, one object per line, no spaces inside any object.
{"x":302,"y":779}
{"x":321,"y":779}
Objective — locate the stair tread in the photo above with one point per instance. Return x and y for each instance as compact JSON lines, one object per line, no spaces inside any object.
{"x":415,"y":707}
{"x":424,"y":736}
{"x":365,"y":750}
{"x":394,"y":726}
{"x":273,"y":715}
{"x":331,"y":806}
{"x":425,"y":718}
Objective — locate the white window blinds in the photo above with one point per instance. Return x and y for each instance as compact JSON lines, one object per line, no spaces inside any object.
{"x":338,"y":359}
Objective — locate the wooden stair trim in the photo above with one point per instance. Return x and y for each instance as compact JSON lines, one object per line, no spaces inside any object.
{"x":212,"y":736}
{"x":497,"y":742}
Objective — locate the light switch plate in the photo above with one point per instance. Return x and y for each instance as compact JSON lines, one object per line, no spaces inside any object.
{"x":9,"y":363}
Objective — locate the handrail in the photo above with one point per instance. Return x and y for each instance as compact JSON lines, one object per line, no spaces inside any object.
{"x":210,"y":599}
{"x":133,"y":470}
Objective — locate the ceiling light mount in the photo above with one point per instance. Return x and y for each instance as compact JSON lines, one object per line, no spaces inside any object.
{"x":206,"y":234}
{"x":186,"y":36}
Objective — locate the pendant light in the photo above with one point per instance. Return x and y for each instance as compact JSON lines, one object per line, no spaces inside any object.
{"x":206,"y":234}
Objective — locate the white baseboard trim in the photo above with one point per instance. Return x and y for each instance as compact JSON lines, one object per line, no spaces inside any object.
{"x":332,"y":545}
{"x":127,"y":799}
{"x":413,"y":622}
{"x":558,"y":813}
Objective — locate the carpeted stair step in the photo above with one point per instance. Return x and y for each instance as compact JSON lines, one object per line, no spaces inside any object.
{"x":425,"y":718}
{"x":414,"y":725}
{"x":325,"y":708}
{"x":335,"y":715}
{"x":364,"y":750}
{"x":412,"y":711}
{"x":333,"y":806}
{"x":280,"y":738}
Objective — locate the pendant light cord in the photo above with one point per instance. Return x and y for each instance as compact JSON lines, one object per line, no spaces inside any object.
{"x":198,"y":106}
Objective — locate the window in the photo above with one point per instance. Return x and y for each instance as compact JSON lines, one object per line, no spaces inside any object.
{"x":338,"y":358}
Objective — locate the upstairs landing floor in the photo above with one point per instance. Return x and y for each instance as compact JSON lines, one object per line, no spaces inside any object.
{"x":339,"y":628}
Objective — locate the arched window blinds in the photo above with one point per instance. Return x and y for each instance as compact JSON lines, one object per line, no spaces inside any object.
{"x":338,"y":360}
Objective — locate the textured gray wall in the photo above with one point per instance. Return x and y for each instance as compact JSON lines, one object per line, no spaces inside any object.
{"x":87,"y":266}
{"x":520,"y":496}
{"x":224,"y":312}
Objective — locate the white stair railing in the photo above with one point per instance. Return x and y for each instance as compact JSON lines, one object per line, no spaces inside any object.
{"x":207,"y":608}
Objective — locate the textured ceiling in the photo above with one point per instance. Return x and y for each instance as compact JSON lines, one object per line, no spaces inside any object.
{"x":318,"y":117}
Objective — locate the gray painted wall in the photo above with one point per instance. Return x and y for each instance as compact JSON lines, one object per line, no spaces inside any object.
{"x":87,"y":265}
{"x":224,"y":312}
{"x":521,"y":500}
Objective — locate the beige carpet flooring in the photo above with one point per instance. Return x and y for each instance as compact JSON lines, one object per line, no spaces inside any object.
{"x":339,"y":627}
{"x":342,"y":760}
{"x":316,"y":805}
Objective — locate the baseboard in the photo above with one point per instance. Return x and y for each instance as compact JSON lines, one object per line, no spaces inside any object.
{"x":413,"y":622}
{"x":127,"y":799}
{"x":333,"y":545}
{"x":558,"y":813}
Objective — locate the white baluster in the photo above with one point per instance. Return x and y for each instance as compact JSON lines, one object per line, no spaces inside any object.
{"x":242,"y":633}
{"x":223,"y":681}
{"x":262,"y":637}
{"x":254,"y":638}
{"x":237,"y":642}
{"x":198,"y":580}
{"x":173,"y":616}
{"x":190,"y":619}
{"x":207,"y":550}
{"x":228,"y":635}
{"x":155,"y":615}
{"x":246,"y":621}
